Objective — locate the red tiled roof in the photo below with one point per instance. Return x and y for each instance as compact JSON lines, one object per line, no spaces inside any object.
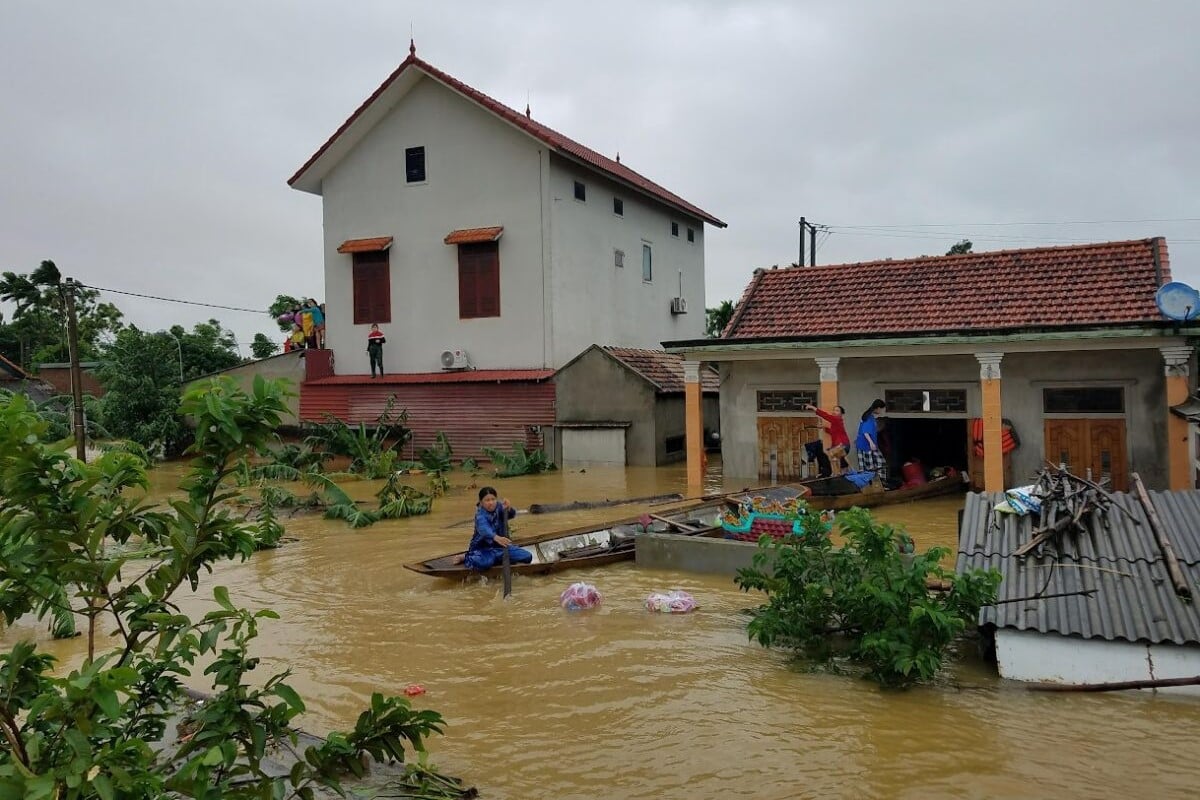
{"x":473,"y":235}
{"x":1044,"y":287}
{"x":466,"y":376}
{"x":554,"y":139}
{"x":365,"y":245}
{"x":663,"y":369}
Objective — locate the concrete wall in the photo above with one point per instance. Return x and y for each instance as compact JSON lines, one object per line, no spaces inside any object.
{"x":1053,"y":658}
{"x":670,"y":420}
{"x":700,"y":554}
{"x":598,"y":389}
{"x":593,"y":446}
{"x":59,"y":376}
{"x":480,"y":172}
{"x":288,"y":366}
{"x":1024,"y":376}
{"x":596,"y":301}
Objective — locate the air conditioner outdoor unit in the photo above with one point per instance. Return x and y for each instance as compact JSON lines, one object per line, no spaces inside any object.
{"x":678,"y":305}
{"x":454,"y":359}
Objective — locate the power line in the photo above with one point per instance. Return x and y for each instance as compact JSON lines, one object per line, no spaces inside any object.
{"x":175,"y":300}
{"x":1035,"y":222}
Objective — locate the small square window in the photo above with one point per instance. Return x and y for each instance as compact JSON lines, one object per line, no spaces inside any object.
{"x":580,"y":191}
{"x":691,"y":234}
{"x":618,"y":206}
{"x":674,"y":228}
{"x":618,"y":258}
{"x":647,"y":265}
{"x":414,"y":164}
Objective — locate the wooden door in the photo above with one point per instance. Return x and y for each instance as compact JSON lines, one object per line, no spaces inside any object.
{"x":1106,"y":452}
{"x":1097,"y":445}
{"x":786,"y":436}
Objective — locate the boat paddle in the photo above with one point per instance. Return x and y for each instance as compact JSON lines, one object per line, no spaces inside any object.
{"x":506,"y":561}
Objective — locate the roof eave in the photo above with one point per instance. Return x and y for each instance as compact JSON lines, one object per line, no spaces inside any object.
{"x":1142,"y":328}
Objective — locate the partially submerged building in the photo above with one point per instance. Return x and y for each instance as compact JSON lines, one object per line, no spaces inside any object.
{"x":1065,"y":344}
{"x":491,"y":250}
{"x":625,"y":405}
{"x":1094,"y":608}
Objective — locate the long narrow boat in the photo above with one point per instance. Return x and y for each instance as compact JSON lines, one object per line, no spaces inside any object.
{"x":589,"y":545}
{"x":838,"y":494}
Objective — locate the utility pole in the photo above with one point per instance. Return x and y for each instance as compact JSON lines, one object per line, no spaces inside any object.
{"x":68,"y":295}
{"x":803,"y":225}
{"x":811,"y":230}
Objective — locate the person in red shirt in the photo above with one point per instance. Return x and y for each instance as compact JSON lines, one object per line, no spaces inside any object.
{"x":375,"y":342}
{"x":839,"y":440}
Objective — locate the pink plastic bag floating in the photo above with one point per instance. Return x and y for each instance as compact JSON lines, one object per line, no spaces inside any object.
{"x":673,"y":602}
{"x":414,"y":690}
{"x":579,"y":596}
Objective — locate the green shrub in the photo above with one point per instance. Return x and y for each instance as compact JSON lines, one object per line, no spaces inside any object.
{"x":867,"y":596}
{"x":519,"y":461}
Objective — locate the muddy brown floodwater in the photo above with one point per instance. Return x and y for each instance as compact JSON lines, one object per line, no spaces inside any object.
{"x":622,"y":703}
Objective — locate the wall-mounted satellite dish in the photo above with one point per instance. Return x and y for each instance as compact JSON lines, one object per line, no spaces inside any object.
{"x":1178,"y":301}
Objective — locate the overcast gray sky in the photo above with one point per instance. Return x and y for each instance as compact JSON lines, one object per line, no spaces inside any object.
{"x":146,"y":145}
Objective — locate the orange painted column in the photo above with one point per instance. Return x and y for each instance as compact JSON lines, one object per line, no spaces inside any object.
{"x":1179,"y":457}
{"x":993,"y":456}
{"x":694,"y":425}
{"x":829,"y":395}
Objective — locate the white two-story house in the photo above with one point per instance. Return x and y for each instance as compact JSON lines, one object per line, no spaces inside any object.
{"x":491,"y":250}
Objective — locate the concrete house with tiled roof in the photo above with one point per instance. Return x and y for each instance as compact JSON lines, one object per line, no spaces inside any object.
{"x":1064,"y":344}
{"x":625,"y":405}
{"x":491,"y":250}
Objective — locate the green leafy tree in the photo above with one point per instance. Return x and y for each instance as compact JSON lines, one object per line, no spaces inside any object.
{"x":870,"y":595}
{"x":37,"y":331}
{"x":262,"y":347}
{"x":140,"y":376}
{"x":964,"y":246}
{"x":716,"y":319}
{"x":206,"y":348}
{"x":101,"y":730}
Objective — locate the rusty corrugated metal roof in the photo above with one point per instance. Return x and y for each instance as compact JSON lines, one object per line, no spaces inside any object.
{"x":1134,"y":599}
{"x":447,"y":376}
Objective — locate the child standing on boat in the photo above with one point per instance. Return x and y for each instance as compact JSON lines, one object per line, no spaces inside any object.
{"x":490,"y":540}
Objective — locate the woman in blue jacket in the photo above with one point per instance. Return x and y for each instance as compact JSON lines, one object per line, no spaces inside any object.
{"x":490,"y":538}
{"x":870,"y":457}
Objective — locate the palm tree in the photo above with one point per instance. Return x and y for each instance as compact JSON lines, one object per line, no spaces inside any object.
{"x":717,"y":318}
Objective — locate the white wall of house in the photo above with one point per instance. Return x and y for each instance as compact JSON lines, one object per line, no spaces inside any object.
{"x":480,"y":172}
{"x":1053,"y":658}
{"x":595,"y":301}
{"x":559,"y":289}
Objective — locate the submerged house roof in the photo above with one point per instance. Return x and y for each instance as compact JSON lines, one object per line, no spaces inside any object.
{"x":1107,"y":284}
{"x":1134,"y":599}
{"x":662,"y":370}
{"x":382,"y":100}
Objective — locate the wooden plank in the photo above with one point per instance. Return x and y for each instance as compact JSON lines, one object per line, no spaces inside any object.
{"x":1164,"y":544}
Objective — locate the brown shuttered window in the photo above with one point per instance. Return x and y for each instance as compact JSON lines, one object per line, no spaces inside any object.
{"x":479,"y":280}
{"x":372,"y":288}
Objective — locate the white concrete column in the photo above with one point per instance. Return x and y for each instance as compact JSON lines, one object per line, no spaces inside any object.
{"x":829,"y":368}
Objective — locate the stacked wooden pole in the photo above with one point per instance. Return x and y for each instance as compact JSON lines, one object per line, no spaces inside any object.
{"x":1068,"y":503}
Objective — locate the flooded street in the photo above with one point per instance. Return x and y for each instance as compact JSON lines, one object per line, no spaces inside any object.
{"x":622,"y":703}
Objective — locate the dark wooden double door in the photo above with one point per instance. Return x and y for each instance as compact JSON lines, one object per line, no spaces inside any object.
{"x":1097,"y":445}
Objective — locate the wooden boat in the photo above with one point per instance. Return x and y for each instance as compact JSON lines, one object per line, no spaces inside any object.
{"x":825,"y":494}
{"x":589,"y":545}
